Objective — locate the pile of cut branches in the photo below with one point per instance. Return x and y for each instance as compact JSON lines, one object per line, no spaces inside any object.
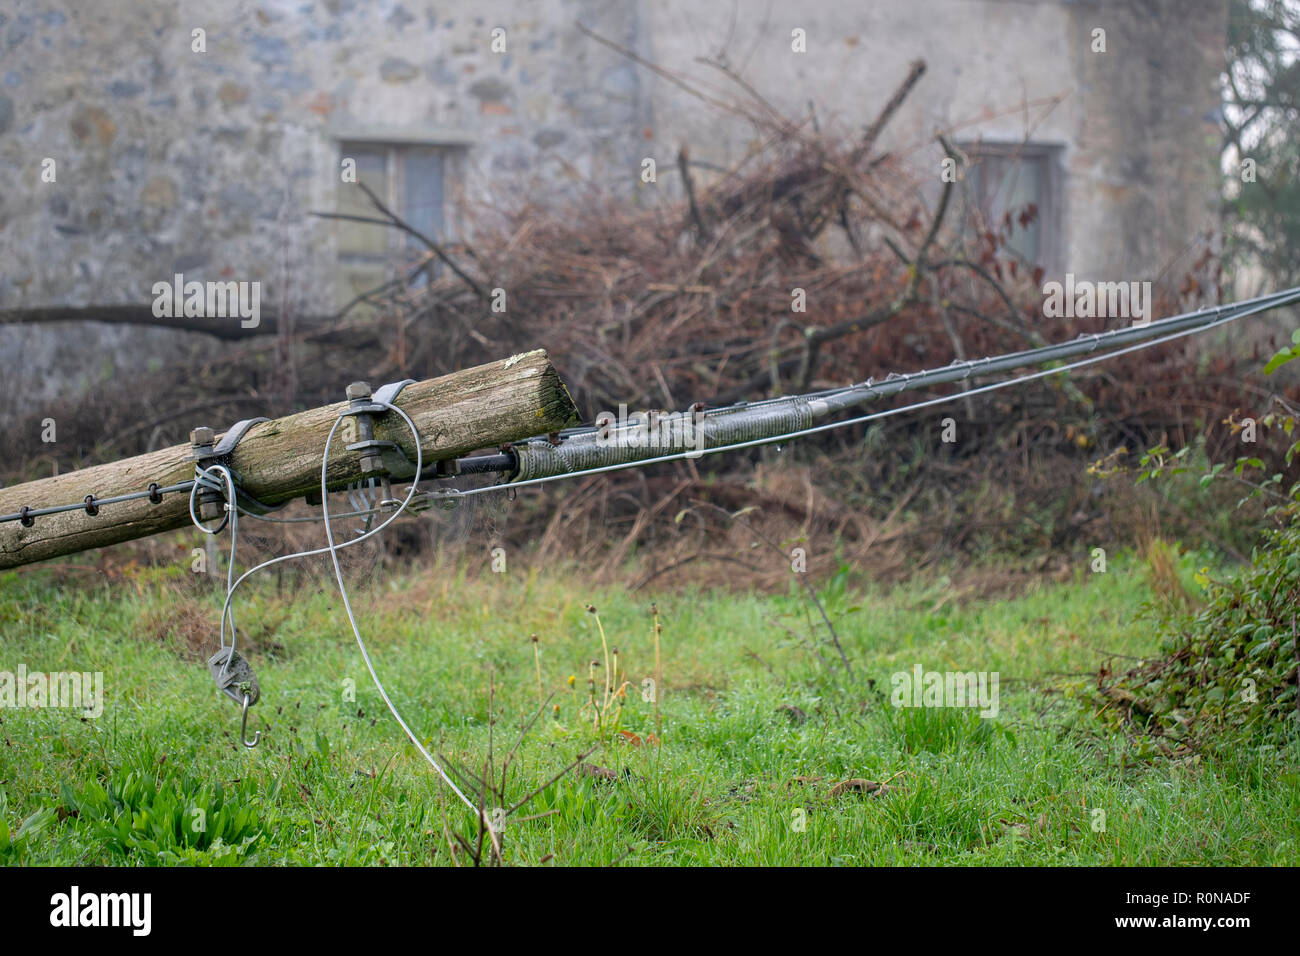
{"x":818,"y":260}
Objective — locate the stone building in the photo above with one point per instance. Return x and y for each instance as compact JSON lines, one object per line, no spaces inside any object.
{"x":147,"y":138}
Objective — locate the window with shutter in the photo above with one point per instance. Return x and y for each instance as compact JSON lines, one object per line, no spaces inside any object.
{"x":411,"y":180}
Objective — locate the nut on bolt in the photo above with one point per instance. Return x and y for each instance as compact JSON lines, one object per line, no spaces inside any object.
{"x":371,"y":463}
{"x":210,"y":503}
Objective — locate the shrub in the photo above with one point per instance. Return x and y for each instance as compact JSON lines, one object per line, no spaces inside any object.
{"x":1227,"y":674}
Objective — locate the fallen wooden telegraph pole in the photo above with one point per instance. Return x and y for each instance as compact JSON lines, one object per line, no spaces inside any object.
{"x":278,"y":460}
{"x":508,"y":404}
{"x":261,"y":465}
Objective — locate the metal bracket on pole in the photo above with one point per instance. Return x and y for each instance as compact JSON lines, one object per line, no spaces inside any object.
{"x":207,"y":451}
{"x":209,"y":500}
{"x":380,"y":459}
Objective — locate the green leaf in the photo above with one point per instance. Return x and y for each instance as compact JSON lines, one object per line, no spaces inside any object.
{"x":1281,"y":358}
{"x":34,"y":824}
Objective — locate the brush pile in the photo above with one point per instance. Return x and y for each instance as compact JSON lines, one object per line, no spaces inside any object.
{"x":817,"y":261}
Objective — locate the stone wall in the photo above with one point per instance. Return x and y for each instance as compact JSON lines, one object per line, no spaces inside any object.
{"x":210,"y":163}
{"x":1137,"y":124}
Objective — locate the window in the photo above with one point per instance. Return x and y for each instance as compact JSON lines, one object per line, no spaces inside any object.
{"x":1008,"y":178}
{"x":411,"y":180}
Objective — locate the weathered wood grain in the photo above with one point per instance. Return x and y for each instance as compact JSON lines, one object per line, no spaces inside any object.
{"x":278,"y":460}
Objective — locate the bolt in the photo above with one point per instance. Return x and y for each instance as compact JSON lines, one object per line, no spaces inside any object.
{"x":371,"y":463}
{"x":202,"y":438}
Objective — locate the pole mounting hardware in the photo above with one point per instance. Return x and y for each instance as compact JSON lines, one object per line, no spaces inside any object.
{"x":380,"y":459}
{"x":207,"y":451}
{"x":234,"y":677}
{"x":210,"y":503}
{"x":363,"y":409}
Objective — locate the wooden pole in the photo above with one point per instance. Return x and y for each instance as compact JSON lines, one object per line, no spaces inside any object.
{"x":279,"y":460}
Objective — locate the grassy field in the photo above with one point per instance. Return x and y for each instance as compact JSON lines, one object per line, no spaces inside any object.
{"x":760,"y":729}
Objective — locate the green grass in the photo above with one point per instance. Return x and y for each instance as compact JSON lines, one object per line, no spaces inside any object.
{"x":756,"y":731}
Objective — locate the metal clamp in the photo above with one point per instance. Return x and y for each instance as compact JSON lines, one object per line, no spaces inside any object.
{"x":206,"y":447}
{"x":206,"y":451}
{"x":380,"y":459}
{"x":234,"y":677}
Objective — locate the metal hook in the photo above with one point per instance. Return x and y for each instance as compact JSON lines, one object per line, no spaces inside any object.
{"x":243,"y":728}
